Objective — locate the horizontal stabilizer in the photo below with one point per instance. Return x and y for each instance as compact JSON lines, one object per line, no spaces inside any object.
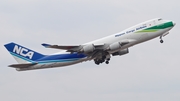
{"x":22,"y":65}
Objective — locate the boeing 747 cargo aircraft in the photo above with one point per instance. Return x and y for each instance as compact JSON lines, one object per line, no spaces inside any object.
{"x":99,"y":50}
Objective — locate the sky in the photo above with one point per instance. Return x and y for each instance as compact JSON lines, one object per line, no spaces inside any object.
{"x":150,"y":72}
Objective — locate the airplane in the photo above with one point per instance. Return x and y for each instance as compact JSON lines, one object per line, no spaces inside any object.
{"x":99,"y":50}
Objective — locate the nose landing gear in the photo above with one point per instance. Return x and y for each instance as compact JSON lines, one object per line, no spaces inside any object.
{"x":161,"y":40}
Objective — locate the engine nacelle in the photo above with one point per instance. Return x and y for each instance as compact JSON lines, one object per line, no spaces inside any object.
{"x":88,"y":48}
{"x":115,"y":46}
{"x":121,"y":52}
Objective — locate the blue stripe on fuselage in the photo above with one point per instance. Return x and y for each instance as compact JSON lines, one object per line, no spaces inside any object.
{"x":61,"y":60}
{"x":55,"y":58}
{"x":61,"y":57}
{"x":19,"y":56}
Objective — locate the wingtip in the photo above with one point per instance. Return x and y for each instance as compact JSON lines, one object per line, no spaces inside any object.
{"x":45,"y":45}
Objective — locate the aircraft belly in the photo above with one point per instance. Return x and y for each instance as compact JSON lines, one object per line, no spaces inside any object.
{"x":142,"y":37}
{"x":51,"y":65}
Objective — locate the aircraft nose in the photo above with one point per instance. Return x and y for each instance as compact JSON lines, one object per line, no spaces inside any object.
{"x":173,"y":23}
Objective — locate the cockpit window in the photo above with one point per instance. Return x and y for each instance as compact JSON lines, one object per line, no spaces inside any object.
{"x":159,"y":19}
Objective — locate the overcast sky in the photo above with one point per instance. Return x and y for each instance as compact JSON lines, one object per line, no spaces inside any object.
{"x":150,"y":72}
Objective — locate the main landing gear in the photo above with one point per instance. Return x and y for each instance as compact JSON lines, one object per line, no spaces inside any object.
{"x":102,"y":60}
{"x":107,"y":61}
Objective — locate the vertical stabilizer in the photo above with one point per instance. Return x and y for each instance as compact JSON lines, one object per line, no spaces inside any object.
{"x":22,"y":54}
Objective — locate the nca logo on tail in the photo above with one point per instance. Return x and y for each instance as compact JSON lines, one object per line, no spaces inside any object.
{"x":23,"y":51}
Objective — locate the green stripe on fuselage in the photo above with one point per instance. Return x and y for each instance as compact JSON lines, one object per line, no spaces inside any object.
{"x":148,"y":30}
{"x":158,"y":27}
{"x":162,"y":26}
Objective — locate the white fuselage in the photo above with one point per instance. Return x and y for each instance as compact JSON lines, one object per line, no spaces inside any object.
{"x":135,"y":35}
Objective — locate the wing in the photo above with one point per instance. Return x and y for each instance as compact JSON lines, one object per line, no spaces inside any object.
{"x":75,"y":48}
{"x":59,"y":47}
{"x":88,"y":48}
{"x":98,"y":52}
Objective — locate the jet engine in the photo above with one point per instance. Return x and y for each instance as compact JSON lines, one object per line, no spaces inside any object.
{"x":114,"y":46}
{"x":121,"y":52}
{"x":88,"y":48}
